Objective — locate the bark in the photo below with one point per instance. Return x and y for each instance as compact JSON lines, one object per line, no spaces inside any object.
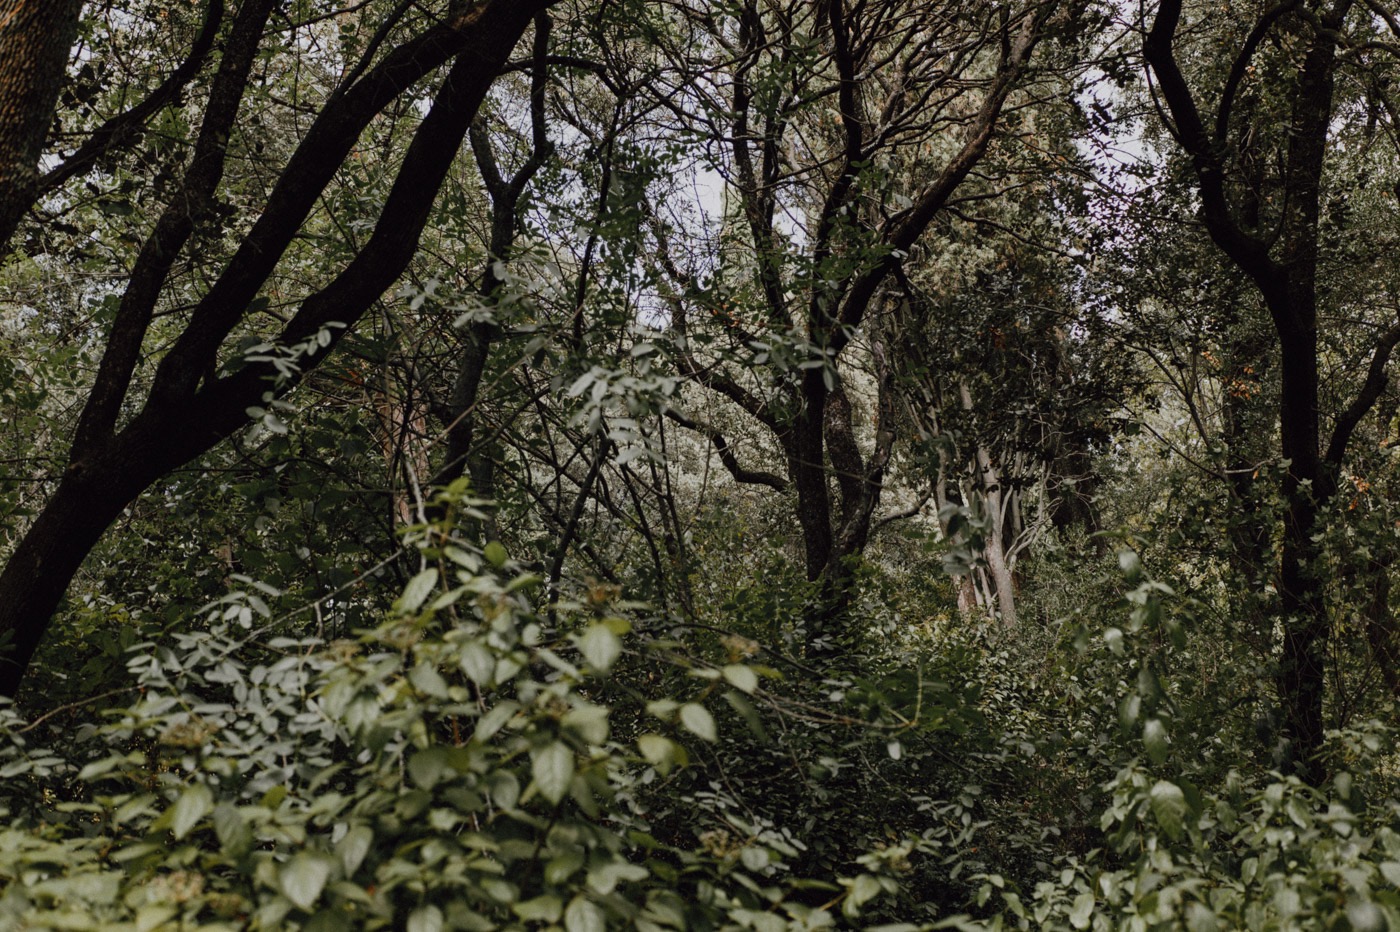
{"x":35,"y":39}
{"x":189,"y":408}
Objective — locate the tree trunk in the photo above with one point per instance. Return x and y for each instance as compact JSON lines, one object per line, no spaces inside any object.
{"x":38,"y":573}
{"x":35,"y":39}
{"x":1288,"y":286}
{"x":188,"y":407}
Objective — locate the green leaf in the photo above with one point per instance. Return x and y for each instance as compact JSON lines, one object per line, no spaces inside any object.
{"x":304,"y":877}
{"x":562,"y":867}
{"x":741,"y":677}
{"x":583,"y":916}
{"x":1169,"y":806}
{"x":1131,"y":565}
{"x":600,"y":647}
{"x":495,"y":554}
{"x":1129,"y":711}
{"x":604,"y":878}
{"x":1083,"y":911}
{"x":426,"y":767}
{"x":741,"y":704}
{"x":659,"y":752}
{"x":588,"y":721}
{"x":863,"y":889}
{"x":505,"y":789}
{"x":478,"y":663}
{"x":428,"y":681}
{"x":698,"y":721}
{"x":425,"y":919}
{"x":196,"y":802}
{"x":353,"y":848}
{"x":417,"y":592}
{"x":547,"y":909}
{"x":495,"y":720}
{"x":1154,"y":738}
{"x":553,"y":769}
{"x":232,"y":829}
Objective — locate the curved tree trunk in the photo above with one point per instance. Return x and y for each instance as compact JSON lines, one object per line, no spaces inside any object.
{"x":189,"y":408}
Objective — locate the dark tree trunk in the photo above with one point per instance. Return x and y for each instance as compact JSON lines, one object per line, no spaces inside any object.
{"x":35,"y":39}
{"x":39,"y":571}
{"x":188,"y":408}
{"x":1288,"y":285}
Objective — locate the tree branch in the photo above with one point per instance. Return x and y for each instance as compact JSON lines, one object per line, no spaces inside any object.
{"x":1365,"y":399}
{"x":117,"y":130}
{"x":726,"y":455}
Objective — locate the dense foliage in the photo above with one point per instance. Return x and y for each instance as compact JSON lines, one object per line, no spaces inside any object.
{"x":705,"y":464}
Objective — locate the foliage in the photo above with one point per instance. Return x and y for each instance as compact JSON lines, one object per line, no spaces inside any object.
{"x":770,"y":465}
{"x":467,"y":764}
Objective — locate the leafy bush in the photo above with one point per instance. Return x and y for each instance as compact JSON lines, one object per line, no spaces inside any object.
{"x":461,"y":766}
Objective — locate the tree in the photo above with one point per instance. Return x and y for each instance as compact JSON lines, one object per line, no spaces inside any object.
{"x":136,"y":425}
{"x":1260,"y":168}
{"x":818,"y":230}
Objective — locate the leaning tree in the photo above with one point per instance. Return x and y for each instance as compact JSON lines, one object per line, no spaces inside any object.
{"x":185,"y":351}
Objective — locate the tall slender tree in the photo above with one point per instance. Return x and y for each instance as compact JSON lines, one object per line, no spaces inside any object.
{"x":1258,"y":143}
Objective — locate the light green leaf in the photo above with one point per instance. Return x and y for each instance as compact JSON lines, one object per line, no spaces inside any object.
{"x":478,"y":663}
{"x":495,"y":554}
{"x":1154,"y":738}
{"x":755,"y":857}
{"x":600,"y":647}
{"x":353,"y":848}
{"x":553,"y":769}
{"x":698,"y":721}
{"x":194,"y":803}
{"x":505,"y":789}
{"x":232,"y":829}
{"x":1083,"y":911}
{"x":425,"y":919}
{"x":417,"y":591}
{"x":663,"y":708}
{"x":604,"y":878}
{"x":428,"y":681}
{"x":659,"y":752}
{"x":304,"y":877}
{"x":583,"y":916}
{"x":426,"y":767}
{"x":863,"y":889}
{"x":588,"y":721}
{"x":1129,"y":711}
{"x":547,"y":909}
{"x":741,"y":677}
{"x":1169,"y":806}
{"x":153,"y":916}
{"x":495,"y":720}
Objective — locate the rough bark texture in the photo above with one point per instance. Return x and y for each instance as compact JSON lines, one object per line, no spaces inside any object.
{"x":35,"y":38}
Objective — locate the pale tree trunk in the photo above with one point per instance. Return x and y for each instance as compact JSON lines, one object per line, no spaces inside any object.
{"x":998,"y":565}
